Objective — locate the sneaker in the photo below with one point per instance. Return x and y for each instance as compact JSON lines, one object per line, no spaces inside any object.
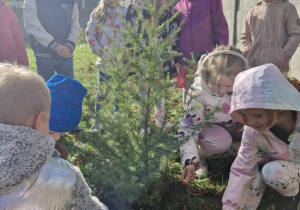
{"x":202,"y":171}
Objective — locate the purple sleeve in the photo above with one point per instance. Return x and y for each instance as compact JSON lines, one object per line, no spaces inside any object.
{"x":220,"y":26}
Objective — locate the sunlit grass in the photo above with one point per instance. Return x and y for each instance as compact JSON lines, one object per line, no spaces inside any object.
{"x":167,"y":190}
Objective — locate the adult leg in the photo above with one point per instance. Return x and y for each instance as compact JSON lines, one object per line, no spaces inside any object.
{"x":45,"y":67}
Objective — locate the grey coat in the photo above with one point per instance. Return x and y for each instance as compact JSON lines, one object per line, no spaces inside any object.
{"x":32,"y":176}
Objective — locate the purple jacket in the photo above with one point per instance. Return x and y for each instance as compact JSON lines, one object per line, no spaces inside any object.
{"x":204,"y":26}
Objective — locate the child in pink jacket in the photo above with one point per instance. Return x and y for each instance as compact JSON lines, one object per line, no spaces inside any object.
{"x":268,"y":105}
{"x":272,"y":34}
{"x":12,"y":45}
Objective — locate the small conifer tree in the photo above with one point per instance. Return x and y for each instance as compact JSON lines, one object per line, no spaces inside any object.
{"x":129,"y":159}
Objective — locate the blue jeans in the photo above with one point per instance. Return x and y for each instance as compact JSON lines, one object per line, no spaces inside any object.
{"x":101,"y":78}
{"x":46,"y":67}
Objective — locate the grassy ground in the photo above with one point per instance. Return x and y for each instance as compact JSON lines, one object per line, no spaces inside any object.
{"x":167,"y":191}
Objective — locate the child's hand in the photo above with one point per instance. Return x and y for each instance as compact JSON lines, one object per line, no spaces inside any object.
{"x":64,"y":52}
{"x":188,"y":174}
{"x":58,"y":48}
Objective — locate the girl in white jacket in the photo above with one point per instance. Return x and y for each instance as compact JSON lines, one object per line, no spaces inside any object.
{"x":210,"y":90}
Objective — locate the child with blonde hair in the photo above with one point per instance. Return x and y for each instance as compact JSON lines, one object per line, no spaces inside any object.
{"x":260,"y":44}
{"x":212,"y":89}
{"x":203,"y":27}
{"x":102,"y":30}
{"x":32,"y":174}
{"x":268,"y":105}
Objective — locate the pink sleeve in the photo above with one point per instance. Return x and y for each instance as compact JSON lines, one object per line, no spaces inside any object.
{"x":19,"y":39}
{"x":243,"y":170}
{"x":246,"y":42}
{"x":220,"y":26}
{"x":93,"y":34}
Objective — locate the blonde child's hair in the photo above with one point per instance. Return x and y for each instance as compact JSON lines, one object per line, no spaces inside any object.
{"x":101,"y":11}
{"x":224,"y":60}
{"x":22,"y":94}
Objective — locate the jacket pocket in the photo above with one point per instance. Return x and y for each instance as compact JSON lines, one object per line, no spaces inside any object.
{"x":272,"y":53}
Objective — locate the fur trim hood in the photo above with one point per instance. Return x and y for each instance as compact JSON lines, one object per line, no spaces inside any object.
{"x":23,"y":152}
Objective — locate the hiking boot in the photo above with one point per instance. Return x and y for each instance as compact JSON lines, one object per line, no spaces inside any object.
{"x":202,"y":171}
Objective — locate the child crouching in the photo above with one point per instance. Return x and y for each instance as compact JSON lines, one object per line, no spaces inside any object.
{"x":32,"y":174}
{"x":210,"y":90}
{"x":66,"y":107}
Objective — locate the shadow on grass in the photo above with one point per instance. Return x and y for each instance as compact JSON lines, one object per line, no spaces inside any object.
{"x":166,"y":191}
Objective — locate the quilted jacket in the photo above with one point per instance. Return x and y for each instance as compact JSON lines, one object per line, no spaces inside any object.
{"x":11,"y":37}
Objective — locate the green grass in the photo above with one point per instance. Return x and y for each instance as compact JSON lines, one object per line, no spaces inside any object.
{"x":83,"y":58}
{"x":166,"y":192}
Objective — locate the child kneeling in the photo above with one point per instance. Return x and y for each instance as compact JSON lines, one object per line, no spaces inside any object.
{"x":212,"y":89}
